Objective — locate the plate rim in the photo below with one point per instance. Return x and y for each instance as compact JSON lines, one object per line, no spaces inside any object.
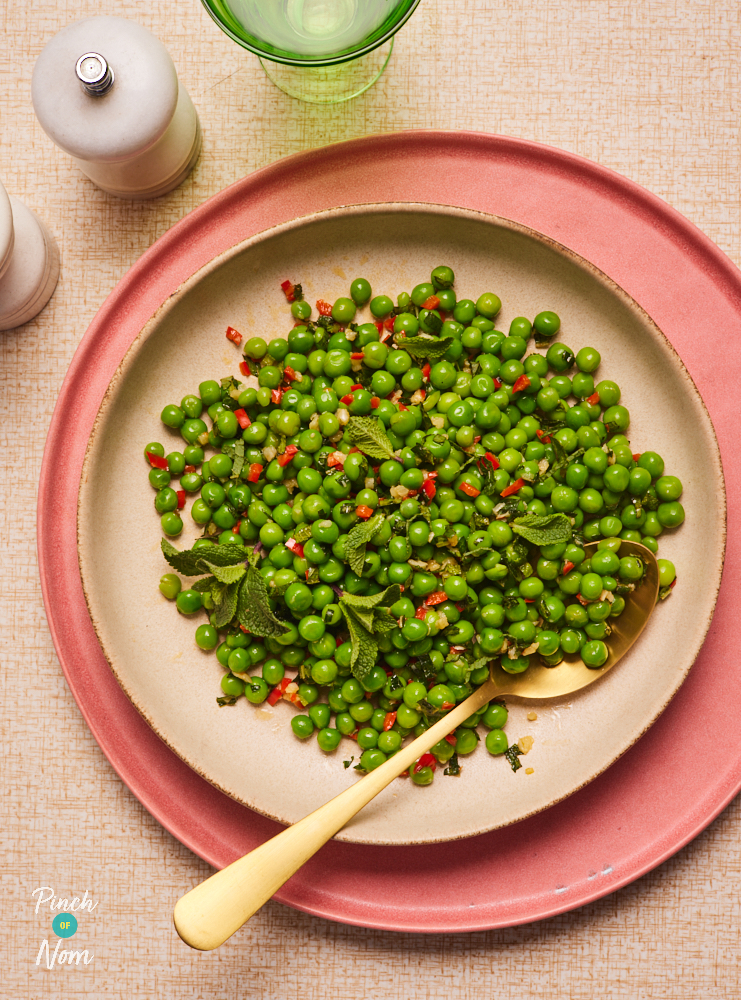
{"x":300,"y":223}
{"x":417,"y":146}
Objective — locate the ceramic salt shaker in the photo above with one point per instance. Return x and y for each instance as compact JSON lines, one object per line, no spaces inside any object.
{"x":105,"y":90}
{"x":29,"y":263}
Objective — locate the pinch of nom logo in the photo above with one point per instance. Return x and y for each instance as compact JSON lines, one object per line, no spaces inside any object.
{"x":64,"y":925}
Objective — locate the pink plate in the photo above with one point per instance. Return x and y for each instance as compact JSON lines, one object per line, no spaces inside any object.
{"x":657,"y":797}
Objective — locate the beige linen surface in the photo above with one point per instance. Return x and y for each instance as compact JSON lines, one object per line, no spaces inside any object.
{"x":648,"y":89}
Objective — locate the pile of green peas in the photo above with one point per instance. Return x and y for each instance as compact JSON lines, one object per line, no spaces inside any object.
{"x":486,"y":399}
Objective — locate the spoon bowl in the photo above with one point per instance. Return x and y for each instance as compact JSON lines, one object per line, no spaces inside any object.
{"x":210,"y":913}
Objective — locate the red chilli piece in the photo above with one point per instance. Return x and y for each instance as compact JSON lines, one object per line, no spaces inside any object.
{"x":234,"y":335}
{"x":237,"y":526}
{"x":567,"y":567}
{"x":512,"y":488}
{"x":245,"y":368}
{"x":593,"y":399}
{"x":157,"y":461}
{"x":255,"y":472}
{"x":497,"y":383}
{"x":364,"y":512}
{"x":452,"y":740}
{"x":436,"y":598}
{"x":181,"y":499}
{"x":582,"y":600}
{"x":291,"y":375}
{"x":389,"y":721}
{"x":189,"y":469}
{"x":277,"y":693}
{"x":673,"y":584}
{"x":523,"y":382}
{"x":242,"y":419}
{"x":378,"y":324}
{"x":422,"y":393}
{"x":426,"y":372}
{"x":357,"y":356}
{"x":346,"y":399}
{"x":324,"y":308}
{"x":493,"y":459}
{"x":426,"y":760}
{"x":287,"y":455}
{"x":447,"y":705}
{"x":295,"y":547}
{"x":388,"y":323}
{"x":287,"y":287}
{"x":542,"y":436}
{"x":421,"y":611}
{"x":354,"y":388}
{"x":429,"y":489}
{"x":375,"y":402}
{"x":337,"y":460}
{"x":276,"y":395}
{"x":636,"y":455}
{"x":432,"y":303}
{"x":469,"y":490}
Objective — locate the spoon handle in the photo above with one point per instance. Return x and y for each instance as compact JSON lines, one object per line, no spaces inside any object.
{"x":209,"y":914}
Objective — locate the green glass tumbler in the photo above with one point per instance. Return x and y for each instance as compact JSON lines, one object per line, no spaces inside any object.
{"x":319,"y":51}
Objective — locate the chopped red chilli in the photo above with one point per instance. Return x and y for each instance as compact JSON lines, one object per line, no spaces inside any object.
{"x":234,"y":335}
{"x":512,"y":488}
{"x":157,"y":461}
{"x":426,"y":760}
{"x":287,"y":287}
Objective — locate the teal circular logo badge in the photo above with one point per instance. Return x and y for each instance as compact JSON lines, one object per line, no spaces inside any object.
{"x":64,"y":925}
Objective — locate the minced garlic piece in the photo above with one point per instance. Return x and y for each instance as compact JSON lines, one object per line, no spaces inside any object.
{"x":529,"y":770}
{"x":437,"y":421}
{"x":532,"y":648}
{"x":525,"y":743}
{"x":399,"y":492}
{"x":269,"y":453}
{"x":343,"y":416}
{"x":543,"y":465}
{"x":418,"y":397}
{"x":532,"y":716}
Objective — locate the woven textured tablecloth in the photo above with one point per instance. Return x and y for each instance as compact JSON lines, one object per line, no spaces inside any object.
{"x":650,"y":90}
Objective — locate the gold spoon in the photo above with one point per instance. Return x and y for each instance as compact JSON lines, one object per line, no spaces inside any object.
{"x":209,"y":914}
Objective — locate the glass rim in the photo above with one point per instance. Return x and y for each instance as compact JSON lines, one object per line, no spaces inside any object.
{"x":323,"y":60}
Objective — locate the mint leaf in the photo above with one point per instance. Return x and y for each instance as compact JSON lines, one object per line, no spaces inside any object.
{"x":368,"y":434}
{"x":196,"y":562}
{"x":205,"y":585}
{"x":511,"y":755}
{"x":186,"y":562}
{"x":227,"y":607}
{"x":358,"y":538}
{"x":424,"y":347}
{"x":302,"y":533}
{"x":226,"y":574}
{"x":253,"y":607}
{"x":386,"y":598}
{"x":221,"y":555}
{"x":383,"y":621}
{"x":235,"y":451}
{"x":364,"y":646}
{"x":543,"y":529}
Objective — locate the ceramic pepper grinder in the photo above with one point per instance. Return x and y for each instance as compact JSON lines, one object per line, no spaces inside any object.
{"x":29,"y":263}
{"x":105,"y":90}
